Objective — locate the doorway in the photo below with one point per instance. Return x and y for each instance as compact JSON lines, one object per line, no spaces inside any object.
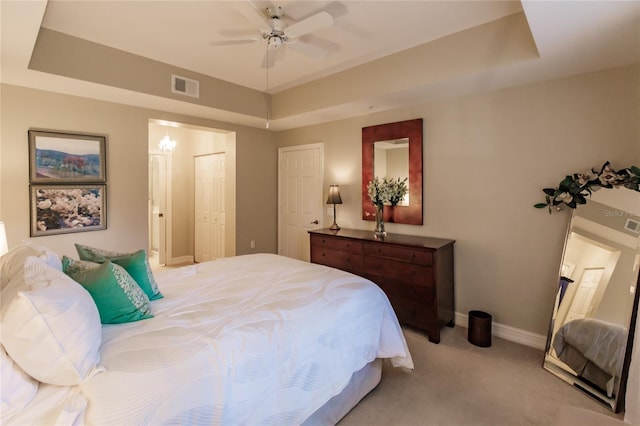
{"x":159,"y":190}
{"x":177,"y":224}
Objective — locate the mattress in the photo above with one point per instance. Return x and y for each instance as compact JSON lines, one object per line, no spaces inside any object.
{"x":254,"y":339}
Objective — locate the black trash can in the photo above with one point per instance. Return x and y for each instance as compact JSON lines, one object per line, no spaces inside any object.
{"x":479,"y":328}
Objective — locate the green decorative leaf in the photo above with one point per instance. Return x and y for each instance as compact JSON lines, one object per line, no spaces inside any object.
{"x":574,"y":189}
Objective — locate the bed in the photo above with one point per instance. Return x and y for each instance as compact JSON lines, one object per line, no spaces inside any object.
{"x":245,"y":340}
{"x":594,"y":349}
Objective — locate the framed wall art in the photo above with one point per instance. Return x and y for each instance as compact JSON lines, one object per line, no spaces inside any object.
{"x":60,"y":209}
{"x":57,"y":157}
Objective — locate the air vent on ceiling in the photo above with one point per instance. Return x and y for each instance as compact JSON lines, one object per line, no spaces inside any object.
{"x":632,"y":225}
{"x":185,"y":86}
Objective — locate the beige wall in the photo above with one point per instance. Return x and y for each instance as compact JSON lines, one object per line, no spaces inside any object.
{"x":127,"y":149}
{"x":486,"y":159}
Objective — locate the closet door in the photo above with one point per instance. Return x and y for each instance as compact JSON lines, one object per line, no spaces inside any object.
{"x":209,"y":207}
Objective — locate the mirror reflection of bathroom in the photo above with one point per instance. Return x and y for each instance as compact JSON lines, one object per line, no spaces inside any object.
{"x":391,"y":159}
{"x":596,"y":292}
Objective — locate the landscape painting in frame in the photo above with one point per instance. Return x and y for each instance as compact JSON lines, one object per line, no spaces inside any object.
{"x":56,"y":157}
{"x":60,"y":209}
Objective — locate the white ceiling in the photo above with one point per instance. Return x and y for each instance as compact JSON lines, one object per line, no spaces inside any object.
{"x":572,"y":37}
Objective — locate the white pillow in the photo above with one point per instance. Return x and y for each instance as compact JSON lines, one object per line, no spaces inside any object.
{"x":12,"y":269}
{"x":53,"y":330}
{"x":12,"y":263}
{"x":18,"y":389}
{"x":49,"y":256}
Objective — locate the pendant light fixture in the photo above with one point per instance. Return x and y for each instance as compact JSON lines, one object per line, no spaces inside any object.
{"x":167,"y":144}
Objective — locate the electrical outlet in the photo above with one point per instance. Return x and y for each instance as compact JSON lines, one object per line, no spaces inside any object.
{"x":329,"y":211}
{"x":252,"y":243}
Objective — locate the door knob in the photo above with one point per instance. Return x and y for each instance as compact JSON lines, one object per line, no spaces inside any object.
{"x":160,"y":215}
{"x":315,"y":222}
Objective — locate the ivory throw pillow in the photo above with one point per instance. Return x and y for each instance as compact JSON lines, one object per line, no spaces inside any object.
{"x":52,"y":330}
{"x":18,"y":389}
{"x":136,"y":264}
{"x":12,"y":269}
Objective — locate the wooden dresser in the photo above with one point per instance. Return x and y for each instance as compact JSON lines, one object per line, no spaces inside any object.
{"x":416,"y":273}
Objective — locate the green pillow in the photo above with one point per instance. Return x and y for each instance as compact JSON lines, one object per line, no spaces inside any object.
{"x":118,"y":297}
{"x":72,"y":266}
{"x":136,"y":264}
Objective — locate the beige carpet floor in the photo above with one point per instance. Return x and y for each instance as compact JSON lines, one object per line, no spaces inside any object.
{"x":456,"y":384}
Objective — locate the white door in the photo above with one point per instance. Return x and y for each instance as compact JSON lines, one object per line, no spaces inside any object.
{"x":582,"y":304}
{"x":209,"y":207}
{"x":218,"y":207}
{"x":300,"y":201}
{"x":157,"y":207}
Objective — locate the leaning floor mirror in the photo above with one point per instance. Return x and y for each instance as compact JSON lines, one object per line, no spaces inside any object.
{"x":591,"y":331}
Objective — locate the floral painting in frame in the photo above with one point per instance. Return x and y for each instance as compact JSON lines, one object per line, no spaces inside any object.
{"x":58,"y":209}
{"x":57,"y":157}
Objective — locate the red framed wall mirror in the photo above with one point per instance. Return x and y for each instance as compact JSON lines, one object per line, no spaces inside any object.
{"x":394,"y":137}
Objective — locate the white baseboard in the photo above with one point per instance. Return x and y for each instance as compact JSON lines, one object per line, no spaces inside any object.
{"x":179,"y":260}
{"x":506,"y":332}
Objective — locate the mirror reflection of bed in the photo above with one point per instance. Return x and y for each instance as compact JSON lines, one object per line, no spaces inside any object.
{"x":594,"y":304}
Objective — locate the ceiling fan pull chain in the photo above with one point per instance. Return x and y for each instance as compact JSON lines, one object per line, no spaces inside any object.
{"x":267,"y":89}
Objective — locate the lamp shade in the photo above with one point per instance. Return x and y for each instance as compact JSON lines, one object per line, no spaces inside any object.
{"x":3,"y":239}
{"x":334,"y":195}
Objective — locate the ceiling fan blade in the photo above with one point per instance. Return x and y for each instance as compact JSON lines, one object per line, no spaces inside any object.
{"x":269,"y":59}
{"x":312,"y":50}
{"x":240,"y":33}
{"x":313,"y":23}
{"x":259,"y":19}
{"x":234,"y":42}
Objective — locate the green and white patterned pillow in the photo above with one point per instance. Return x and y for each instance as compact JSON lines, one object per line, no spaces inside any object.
{"x":118,"y":297}
{"x":72,"y":266}
{"x":136,"y":264}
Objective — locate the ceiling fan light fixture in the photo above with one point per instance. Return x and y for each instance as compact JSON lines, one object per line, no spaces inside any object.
{"x":274,"y":42}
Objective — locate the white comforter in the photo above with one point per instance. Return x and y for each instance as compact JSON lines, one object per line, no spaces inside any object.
{"x":246,"y":340}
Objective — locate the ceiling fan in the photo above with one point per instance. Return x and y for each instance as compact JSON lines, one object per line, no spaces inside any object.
{"x":275,"y":33}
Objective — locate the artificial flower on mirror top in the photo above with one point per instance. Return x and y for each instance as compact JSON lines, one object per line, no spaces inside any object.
{"x":574,"y":189}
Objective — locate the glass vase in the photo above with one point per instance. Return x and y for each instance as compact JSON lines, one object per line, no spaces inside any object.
{"x":379,"y":231}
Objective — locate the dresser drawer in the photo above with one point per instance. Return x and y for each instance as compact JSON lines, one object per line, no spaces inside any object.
{"x":414,"y":314}
{"x":421,"y":257}
{"x":337,"y":259}
{"x":401,"y":271}
{"x":395,"y":289}
{"x":332,"y":243}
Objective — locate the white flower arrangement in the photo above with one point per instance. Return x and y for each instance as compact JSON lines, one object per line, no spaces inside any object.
{"x":574,"y":189}
{"x":387,"y":191}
